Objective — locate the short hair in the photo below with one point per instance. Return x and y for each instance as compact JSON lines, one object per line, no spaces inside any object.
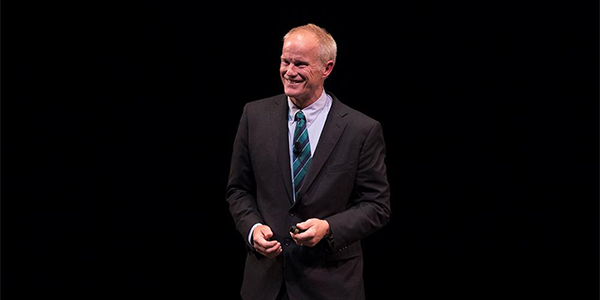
{"x":327,"y":45}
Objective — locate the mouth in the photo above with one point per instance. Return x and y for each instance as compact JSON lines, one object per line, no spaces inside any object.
{"x":292,"y":82}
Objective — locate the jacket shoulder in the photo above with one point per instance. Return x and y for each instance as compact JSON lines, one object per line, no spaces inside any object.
{"x":264,"y":103}
{"x":359,"y":119}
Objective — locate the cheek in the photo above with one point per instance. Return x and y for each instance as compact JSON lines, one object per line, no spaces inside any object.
{"x":304,"y":73}
{"x":310,"y":74}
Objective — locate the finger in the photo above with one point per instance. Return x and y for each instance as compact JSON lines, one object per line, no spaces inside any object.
{"x":308,"y":243}
{"x":273,"y":251}
{"x":303,"y":226}
{"x":267,"y":233}
{"x":264,"y":244}
{"x":297,"y":236}
{"x":262,"y":235}
{"x":302,"y":238}
{"x":274,"y":254}
{"x":306,"y":234}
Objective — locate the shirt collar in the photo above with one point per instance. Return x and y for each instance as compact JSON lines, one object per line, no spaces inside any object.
{"x":311,"y":112}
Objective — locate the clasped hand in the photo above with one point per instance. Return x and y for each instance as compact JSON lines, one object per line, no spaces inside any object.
{"x":312,"y":232}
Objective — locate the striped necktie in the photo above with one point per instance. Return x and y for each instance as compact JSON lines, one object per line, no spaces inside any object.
{"x":301,"y":150}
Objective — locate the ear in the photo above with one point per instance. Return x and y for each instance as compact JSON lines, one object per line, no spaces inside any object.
{"x":328,"y":68}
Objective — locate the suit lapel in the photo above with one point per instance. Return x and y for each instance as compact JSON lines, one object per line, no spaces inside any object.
{"x":332,"y":130}
{"x":279,"y":125}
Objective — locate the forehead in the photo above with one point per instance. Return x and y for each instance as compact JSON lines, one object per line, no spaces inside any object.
{"x":300,"y":45}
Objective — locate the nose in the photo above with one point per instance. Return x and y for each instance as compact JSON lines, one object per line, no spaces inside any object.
{"x":291,"y":71}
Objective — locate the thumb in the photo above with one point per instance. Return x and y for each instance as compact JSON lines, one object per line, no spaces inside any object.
{"x":303,"y":225}
{"x":266,"y":232}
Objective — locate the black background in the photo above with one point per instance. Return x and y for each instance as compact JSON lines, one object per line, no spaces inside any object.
{"x":120,"y":121}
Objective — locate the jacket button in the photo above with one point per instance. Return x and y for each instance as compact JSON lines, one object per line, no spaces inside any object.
{"x":287,"y":242}
{"x":291,"y":214}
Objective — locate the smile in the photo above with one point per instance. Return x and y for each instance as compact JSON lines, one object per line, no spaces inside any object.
{"x":290,"y":81}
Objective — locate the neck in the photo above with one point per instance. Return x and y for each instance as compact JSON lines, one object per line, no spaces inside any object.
{"x":304,"y":102}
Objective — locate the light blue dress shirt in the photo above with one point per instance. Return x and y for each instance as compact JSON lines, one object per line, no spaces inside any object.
{"x":316,"y":115}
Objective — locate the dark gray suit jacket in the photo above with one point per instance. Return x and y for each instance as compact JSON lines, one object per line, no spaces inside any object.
{"x":346,"y":185}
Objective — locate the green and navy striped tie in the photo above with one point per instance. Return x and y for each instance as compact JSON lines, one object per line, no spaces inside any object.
{"x":301,"y":151}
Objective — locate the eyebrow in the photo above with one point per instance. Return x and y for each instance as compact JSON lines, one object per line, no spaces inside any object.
{"x":295,"y":61}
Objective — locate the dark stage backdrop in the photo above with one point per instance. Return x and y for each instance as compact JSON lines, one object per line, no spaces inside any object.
{"x":120,"y":121}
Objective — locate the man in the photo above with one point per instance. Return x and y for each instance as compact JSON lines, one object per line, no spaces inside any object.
{"x":304,"y":159}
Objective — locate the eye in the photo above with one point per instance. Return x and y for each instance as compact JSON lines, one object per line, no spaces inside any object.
{"x":285,"y":62}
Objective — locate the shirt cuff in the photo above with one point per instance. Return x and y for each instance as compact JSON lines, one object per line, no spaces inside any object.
{"x":250,"y":241}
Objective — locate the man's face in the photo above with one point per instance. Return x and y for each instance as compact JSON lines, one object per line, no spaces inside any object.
{"x":301,"y":71}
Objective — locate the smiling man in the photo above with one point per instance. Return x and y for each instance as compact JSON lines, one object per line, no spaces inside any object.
{"x":307,"y":181}
{"x":307,"y":58}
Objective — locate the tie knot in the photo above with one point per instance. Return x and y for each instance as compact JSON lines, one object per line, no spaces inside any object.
{"x":300,"y":116}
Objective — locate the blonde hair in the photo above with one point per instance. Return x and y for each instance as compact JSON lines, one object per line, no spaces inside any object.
{"x":327,"y":45}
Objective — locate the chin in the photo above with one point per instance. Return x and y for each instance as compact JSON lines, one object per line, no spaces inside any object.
{"x":292,"y":92}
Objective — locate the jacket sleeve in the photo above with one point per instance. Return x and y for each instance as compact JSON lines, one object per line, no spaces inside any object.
{"x":241,"y":186}
{"x":369,"y":206}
